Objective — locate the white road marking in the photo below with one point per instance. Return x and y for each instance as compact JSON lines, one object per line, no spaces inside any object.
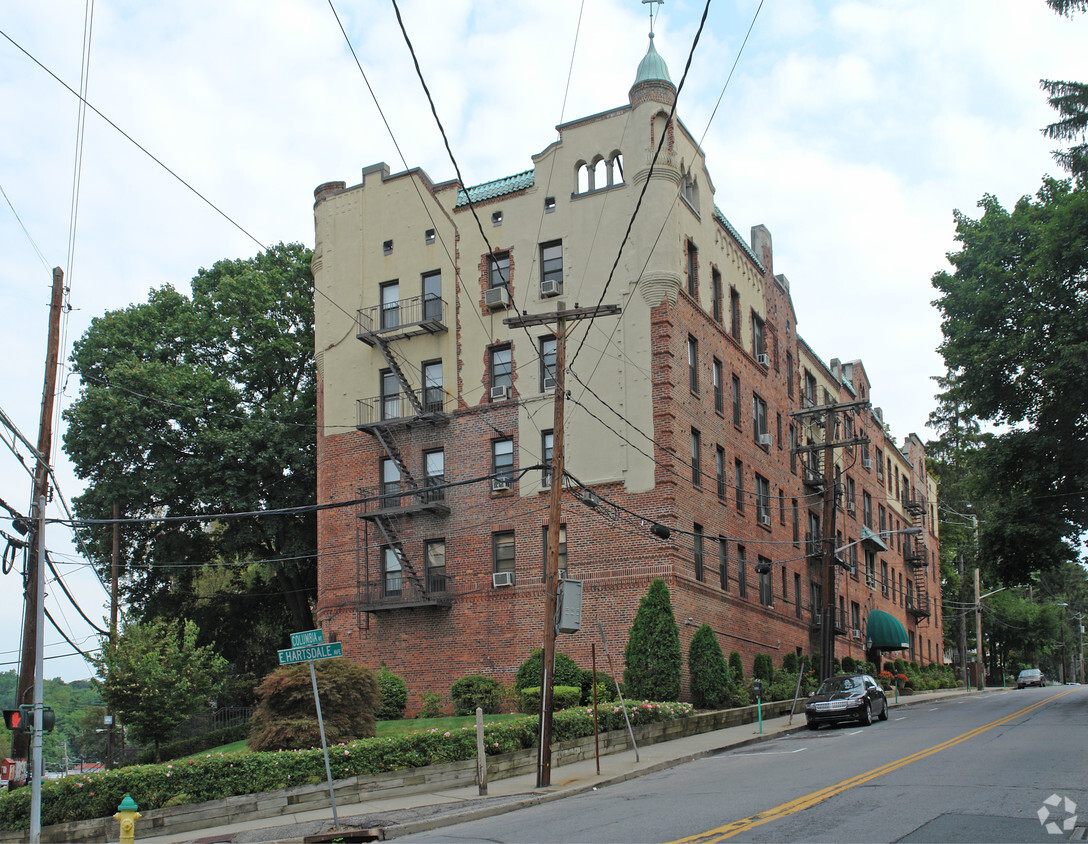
{"x":901,"y":718}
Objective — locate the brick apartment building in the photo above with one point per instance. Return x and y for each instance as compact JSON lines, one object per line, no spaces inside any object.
{"x":685,"y":410}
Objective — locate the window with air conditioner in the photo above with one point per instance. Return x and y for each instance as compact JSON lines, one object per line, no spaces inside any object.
{"x":496,"y":298}
{"x":551,"y":269}
{"x":498,"y":271}
{"x":502,"y":372}
{"x":502,"y":558}
{"x":547,"y":439}
{"x":502,"y":464}
{"x":763,"y":500}
{"x":548,"y":346}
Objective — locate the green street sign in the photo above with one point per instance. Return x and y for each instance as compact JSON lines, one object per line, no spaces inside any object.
{"x":307,"y":637}
{"x":290,"y":656}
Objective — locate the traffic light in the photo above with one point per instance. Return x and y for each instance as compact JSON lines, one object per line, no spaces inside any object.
{"x":13,"y":720}
{"x":21,"y":720}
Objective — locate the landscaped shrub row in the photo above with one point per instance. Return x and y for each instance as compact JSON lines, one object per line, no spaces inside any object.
{"x":187,"y":747}
{"x":215,"y":776}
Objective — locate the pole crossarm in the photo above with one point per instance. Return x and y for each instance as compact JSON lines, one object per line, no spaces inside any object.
{"x":824,"y":408}
{"x":563,"y":313}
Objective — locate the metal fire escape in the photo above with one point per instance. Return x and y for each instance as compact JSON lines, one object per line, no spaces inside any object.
{"x":390,"y":418}
{"x":916,"y":555}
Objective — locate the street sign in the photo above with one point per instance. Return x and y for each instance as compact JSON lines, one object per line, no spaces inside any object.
{"x":307,"y":637}
{"x":290,"y":656}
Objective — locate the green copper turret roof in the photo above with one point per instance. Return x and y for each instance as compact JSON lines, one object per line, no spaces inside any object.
{"x":652,"y":68}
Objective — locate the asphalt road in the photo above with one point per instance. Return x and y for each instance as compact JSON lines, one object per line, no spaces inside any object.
{"x":966,"y":769}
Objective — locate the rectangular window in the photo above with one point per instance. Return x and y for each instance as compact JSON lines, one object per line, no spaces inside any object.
{"x":870,"y":569}
{"x":548,"y":347}
{"x":879,"y":463}
{"x":434,"y":558}
{"x":434,"y":398}
{"x":432,"y":296}
{"x":390,"y":296}
{"x":693,"y":261}
{"x":884,"y":578}
{"x":716,"y":295}
{"x":498,"y":270}
{"x":551,"y":268}
{"x":738,"y":483}
{"x":698,"y":552}
{"x":502,"y":551}
{"x":809,"y":395}
{"x":758,"y":342}
{"x":696,"y":458}
{"x":793,"y":449}
{"x":781,"y":506}
{"x":390,"y":397}
{"x":693,"y":364}
{"x":742,"y":572}
{"x":766,"y":583}
{"x":502,"y":464}
{"x":734,"y":313}
{"x":867,"y":510}
{"x":502,"y":371}
{"x":736,"y":401}
{"x":719,"y":388}
{"x":546,"y":441}
{"x":789,"y":374}
{"x":562,"y":550}
{"x":855,"y":619}
{"x":434,"y":474}
{"x":778,"y":429}
{"x":882,"y":519}
{"x":723,"y":563}
{"x":390,"y":483}
{"x":763,"y":500}
{"x":796,"y":524}
{"x":391,"y":571}
{"x":719,"y":471}
{"x":797,"y":595}
{"x":759,"y":417}
{"x":851,"y":497}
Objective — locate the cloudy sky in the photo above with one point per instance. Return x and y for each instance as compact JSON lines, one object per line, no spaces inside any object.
{"x":851,"y":129}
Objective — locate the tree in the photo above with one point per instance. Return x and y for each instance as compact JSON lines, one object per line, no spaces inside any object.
{"x":1070,"y":100}
{"x":155,"y":675}
{"x":1015,"y":323}
{"x":652,"y":658}
{"x":394,"y":694}
{"x":286,"y":718}
{"x":200,"y":405}
{"x":708,"y":670}
{"x":566,"y":672}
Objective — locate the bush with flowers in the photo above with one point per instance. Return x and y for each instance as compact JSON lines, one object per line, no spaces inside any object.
{"x":885,"y":678}
{"x":213,"y":776}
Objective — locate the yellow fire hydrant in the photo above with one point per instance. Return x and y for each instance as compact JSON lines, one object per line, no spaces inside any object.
{"x":127,"y":815}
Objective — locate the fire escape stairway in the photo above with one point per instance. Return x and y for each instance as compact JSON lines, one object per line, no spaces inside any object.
{"x":917,"y":557}
{"x":394,"y":366}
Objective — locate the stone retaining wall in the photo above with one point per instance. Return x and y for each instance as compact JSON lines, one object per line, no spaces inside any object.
{"x":283,"y":803}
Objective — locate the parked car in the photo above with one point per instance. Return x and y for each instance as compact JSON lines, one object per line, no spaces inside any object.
{"x":846,"y":697}
{"x":1030,"y":677}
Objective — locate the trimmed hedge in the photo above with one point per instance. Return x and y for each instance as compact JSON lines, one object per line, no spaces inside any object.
{"x":215,"y":776}
{"x":189,"y":746}
{"x":563,"y":697}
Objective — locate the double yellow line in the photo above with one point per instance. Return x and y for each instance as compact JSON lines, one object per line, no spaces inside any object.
{"x":808,"y":800}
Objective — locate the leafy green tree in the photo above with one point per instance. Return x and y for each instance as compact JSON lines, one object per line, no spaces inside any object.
{"x":198,"y":405}
{"x":653,"y":658}
{"x":155,"y":675}
{"x":1015,"y":322}
{"x":286,"y":718}
{"x":394,"y":695}
{"x":708,"y":670}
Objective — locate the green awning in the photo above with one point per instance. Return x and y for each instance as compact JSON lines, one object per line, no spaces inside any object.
{"x":884,"y":632}
{"x":873,"y":539}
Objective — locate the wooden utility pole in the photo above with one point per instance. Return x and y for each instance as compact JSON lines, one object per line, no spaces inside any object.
{"x":827,"y":532}
{"x":115,"y":559}
{"x":20,"y":742}
{"x":551,"y":564}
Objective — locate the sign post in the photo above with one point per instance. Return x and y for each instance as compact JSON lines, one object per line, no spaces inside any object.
{"x":306,"y":647}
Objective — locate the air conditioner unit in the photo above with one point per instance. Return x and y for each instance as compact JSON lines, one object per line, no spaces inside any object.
{"x":496,"y":297}
{"x":765,"y":440}
{"x":851,"y":507}
{"x":550,"y":287}
{"x":857,"y":633}
{"x":763,"y":360}
{"x":549,"y":382}
{"x":765,"y":519}
{"x":502,"y":578}
{"x":500,"y":484}
{"x":867,"y":463}
{"x":499,"y":393}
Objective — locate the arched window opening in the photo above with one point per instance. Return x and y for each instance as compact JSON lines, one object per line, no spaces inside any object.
{"x":600,"y":174}
{"x":616,"y":170}
{"x":583,"y":177}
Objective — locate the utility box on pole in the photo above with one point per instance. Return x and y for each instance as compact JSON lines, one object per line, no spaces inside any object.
{"x":570,"y":606}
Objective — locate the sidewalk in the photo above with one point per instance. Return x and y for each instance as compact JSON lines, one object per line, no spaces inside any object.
{"x":404,"y":814}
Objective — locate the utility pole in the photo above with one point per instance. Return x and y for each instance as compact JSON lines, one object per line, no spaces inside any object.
{"x":551,"y":567}
{"x":20,"y":742}
{"x":981,"y":679}
{"x":115,"y":558}
{"x":963,"y":629}
{"x":827,"y":533}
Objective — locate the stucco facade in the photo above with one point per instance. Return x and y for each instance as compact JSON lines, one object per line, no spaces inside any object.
{"x":433,"y":415}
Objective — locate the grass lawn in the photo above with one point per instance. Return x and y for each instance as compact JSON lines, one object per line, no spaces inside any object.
{"x":393,"y":728}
